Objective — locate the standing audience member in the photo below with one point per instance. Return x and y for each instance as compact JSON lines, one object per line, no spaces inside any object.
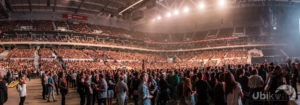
{"x":144,"y":94}
{"x":102,"y":90}
{"x":81,"y":89}
{"x":256,"y":84}
{"x":243,"y":80}
{"x":262,"y":72}
{"x":74,"y":75}
{"x":110,"y":91}
{"x":44,"y":79}
{"x":276,"y":80}
{"x":233,"y":90}
{"x":153,"y":88}
{"x":89,"y":91}
{"x":51,"y":86}
{"x":8,"y":76}
{"x":55,"y":78}
{"x":95,"y":84}
{"x":218,"y":92}
{"x":188,"y":93}
{"x":164,"y":95}
{"x":63,"y":86}
{"x":22,"y":89}
{"x":202,"y":87}
{"x":3,"y":90}
{"x":294,"y":77}
{"x":134,"y":86}
{"x":121,"y":90}
{"x":173,"y":80}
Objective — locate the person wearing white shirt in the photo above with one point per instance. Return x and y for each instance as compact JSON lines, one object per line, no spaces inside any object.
{"x":74,"y":75}
{"x":22,"y":89}
{"x":121,"y":90}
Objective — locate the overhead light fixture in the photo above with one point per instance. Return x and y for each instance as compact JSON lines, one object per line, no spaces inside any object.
{"x":176,"y":12}
{"x":222,"y":3}
{"x":201,"y":5}
{"x":169,"y":14}
{"x":186,"y":10}
{"x":158,"y":17}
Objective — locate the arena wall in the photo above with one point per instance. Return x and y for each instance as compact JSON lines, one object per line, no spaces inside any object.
{"x":92,"y":19}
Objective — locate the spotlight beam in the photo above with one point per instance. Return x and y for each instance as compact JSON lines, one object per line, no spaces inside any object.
{"x":193,"y":2}
{"x":181,"y":3}
{"x":161,"y":4}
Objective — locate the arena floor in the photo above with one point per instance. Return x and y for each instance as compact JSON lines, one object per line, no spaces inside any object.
{"x":34,"y":96}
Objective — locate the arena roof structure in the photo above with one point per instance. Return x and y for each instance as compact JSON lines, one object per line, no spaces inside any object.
{"x":94,"y":7}
{"x":158,"y":16}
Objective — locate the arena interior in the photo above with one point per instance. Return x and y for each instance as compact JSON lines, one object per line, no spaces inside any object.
{"x":131,"y":38}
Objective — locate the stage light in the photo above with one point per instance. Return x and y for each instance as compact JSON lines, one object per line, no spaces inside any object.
{"x":221,"y":2}
{"x":158,"y":17}
{"x":201,"y":5}
{"x":274,"y":28}
{"x":186,"y":10}
{"x":169,"y":14}
{"x":176,"y":12}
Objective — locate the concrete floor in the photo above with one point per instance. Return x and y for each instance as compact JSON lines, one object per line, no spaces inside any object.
{"x":34,"y":96}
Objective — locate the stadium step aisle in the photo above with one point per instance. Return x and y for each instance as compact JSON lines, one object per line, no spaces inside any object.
{"x":4,"y":54}
{"x":36,"y":58}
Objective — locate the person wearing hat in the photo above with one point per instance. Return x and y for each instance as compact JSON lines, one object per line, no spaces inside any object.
{"x":3,"y":90}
